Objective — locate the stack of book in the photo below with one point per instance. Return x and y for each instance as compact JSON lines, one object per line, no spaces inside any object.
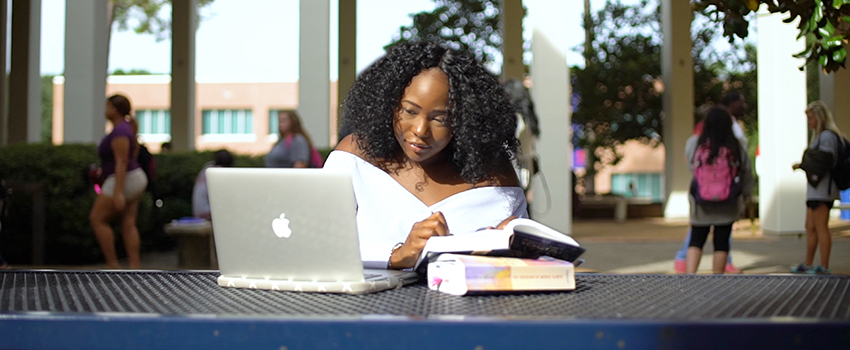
{"x":524,"y":256}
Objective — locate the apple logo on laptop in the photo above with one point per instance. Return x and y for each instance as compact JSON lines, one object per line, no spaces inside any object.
{"x":280,"y":226}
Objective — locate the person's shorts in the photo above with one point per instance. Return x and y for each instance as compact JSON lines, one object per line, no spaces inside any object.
{"x":134,"y":184}
{"x":816,"y":204}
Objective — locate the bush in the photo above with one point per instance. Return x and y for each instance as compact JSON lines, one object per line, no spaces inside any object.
{"x":63,"y":171}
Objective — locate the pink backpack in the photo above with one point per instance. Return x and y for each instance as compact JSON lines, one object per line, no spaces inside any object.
{"x":718,"y":181}
{"x":316,"y":160}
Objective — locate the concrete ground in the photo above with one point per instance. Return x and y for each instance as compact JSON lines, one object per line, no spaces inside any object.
{"x":649,"y":245}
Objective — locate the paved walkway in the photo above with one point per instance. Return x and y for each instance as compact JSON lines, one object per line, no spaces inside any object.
{"x":648,"y":246}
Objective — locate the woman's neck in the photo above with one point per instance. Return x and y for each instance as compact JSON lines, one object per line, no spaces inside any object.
{"x":116,"y":120}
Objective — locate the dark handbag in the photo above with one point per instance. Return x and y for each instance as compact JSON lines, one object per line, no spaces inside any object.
{"x":817,"y":164}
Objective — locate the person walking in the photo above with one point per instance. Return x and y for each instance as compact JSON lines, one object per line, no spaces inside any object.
{"x":721,"y":186}
{"x":737,"y":106}
{"x":124,"y":182}
{"x":821,"y":190}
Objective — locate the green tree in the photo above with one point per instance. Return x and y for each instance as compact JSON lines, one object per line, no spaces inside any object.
{"x":120,"y":71}
{"x":143,"y":16}
{"x":471,"y":25}
{"x":825,"y":23}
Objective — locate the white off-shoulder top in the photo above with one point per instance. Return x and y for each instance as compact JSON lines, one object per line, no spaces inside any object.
{"x":386,"y":211}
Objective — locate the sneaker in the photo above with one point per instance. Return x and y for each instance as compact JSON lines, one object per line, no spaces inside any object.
{"x":802,"y":268}
{"x":820,"y":270}
{"x":731,"y":269}
{"x":680,"y":265}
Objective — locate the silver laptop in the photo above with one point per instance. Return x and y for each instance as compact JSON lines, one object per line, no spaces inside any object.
{"x":290,"y":229}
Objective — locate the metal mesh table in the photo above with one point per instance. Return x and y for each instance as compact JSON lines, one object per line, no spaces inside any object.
{"x":793,"y":309}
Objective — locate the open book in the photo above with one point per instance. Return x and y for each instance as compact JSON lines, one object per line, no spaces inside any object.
{"x":521,"y":238}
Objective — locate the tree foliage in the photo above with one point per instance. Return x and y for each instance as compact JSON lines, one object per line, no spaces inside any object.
{"x":826,"y":23}
{"x":471,"y":25}
{"x":144,"y":16}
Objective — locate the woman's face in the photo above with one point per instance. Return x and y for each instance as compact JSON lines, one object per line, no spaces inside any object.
{"x":420,"y":124}
{"x":110,"y":110}
{"x":284,"y":123}
{"x":812,"y":120}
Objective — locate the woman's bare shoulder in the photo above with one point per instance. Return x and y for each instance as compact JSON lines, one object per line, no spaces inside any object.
{"x":349,"y":144}
{"x":505,"y":177}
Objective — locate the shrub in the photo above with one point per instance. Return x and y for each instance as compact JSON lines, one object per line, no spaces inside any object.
{"x":68,"y":195}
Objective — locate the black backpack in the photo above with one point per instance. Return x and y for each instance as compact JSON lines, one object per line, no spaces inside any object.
{"x":841,"y":171}
{"x":148,"y":163}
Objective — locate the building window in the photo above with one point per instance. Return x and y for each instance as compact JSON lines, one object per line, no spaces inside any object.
{"x":273,"y":124}
{"x":154,"y":124}
{"x":638,"y":185}
{"x":227,"y":121}
{"x":227,"y":125}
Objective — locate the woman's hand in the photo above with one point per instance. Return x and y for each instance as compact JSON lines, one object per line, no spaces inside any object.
{"x":119,"y":201}
{"x":406,"y":255}
{"x":795,"y":166}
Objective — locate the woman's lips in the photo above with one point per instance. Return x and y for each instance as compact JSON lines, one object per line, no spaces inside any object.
{"x":418,"y":147}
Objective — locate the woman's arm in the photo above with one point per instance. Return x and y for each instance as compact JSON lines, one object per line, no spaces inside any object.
{"x":299,"y":150}
{"x":690,"y":150}
{"x":121,"y":151}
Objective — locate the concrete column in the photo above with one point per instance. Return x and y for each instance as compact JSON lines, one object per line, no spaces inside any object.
{"x":86,"y":35}
{"x":4,"y":86}
{"x":834,"y":89}
{"x":677,"y":69}
{"x":512,"y":14}
{"x":551,"y":90}
{"x":313,"y":69}
{"x":347,"y":56}
{"x":782,"y":125}
{"x":183,"y":25}
{"x":25,"y":76}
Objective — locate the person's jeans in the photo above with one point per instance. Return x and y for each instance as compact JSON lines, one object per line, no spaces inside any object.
{"x":683,"y":252}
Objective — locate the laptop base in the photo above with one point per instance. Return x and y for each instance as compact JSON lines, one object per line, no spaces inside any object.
{"x":357,"y":287}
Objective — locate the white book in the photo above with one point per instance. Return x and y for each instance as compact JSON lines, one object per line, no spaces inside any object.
{"x":464,"y":274}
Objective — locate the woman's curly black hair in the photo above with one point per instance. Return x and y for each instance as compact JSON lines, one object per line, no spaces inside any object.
{"x":482,"y":118}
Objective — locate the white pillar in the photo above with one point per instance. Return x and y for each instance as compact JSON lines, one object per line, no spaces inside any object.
{"x":782,"y":125}
{"x":347,"y":56}
{"x":313,"y":69}
{"x":551,"y":94}
{"x":25,"y":76}
{"x":834,"y":89}
{"x":677,"y":68}
{"x":183,"y":116}
{"x":512,"y":14}
{"x":86,"y":35}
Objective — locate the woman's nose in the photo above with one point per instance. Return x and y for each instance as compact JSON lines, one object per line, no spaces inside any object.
{"x":421,"y":128}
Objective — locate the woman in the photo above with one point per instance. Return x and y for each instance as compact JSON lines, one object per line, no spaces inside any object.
{"x":124,"y":181}
{"x":716,"y":143}
{"x":820,"y":198}
{"x":430,"y":152}
{"x":292,"y":149}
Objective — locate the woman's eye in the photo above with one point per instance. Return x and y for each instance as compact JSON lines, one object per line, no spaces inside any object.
{"x":408,"y":111}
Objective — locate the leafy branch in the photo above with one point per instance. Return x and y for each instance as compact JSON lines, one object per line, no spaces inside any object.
{"x":825,"y":23}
